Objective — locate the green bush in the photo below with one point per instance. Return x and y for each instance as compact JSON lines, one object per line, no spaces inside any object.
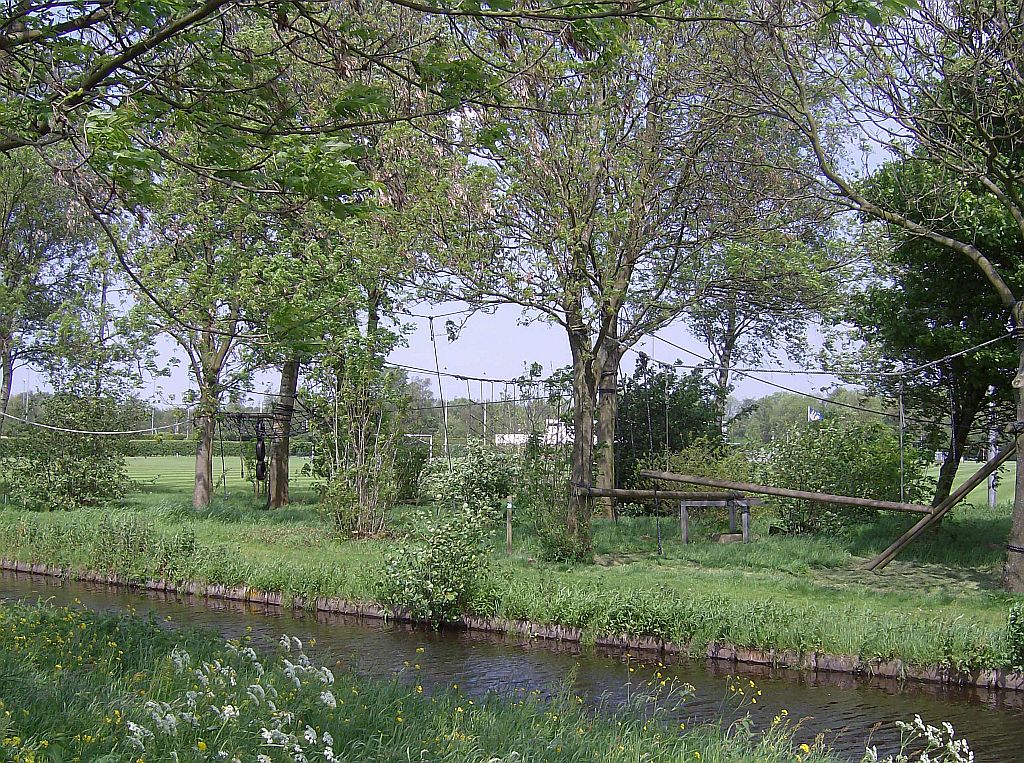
{"x":841,"y":456}
{"x":58,"y":470}
{"x":410,"y":460}
{"x":704,"y":457}
{"x":1015,"y":636}
{"x":480,"y":479}
{"x":439,"y":568}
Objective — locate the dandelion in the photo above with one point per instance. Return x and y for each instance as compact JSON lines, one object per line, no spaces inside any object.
{"x":201,"y":746}
{"x":805,"y":748}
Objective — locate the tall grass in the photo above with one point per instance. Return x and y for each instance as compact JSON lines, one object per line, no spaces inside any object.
{"x":80,"y":686}
{"x":683,"y":604}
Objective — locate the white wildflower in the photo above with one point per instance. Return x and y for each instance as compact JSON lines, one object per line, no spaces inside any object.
{"x":328,"y":699}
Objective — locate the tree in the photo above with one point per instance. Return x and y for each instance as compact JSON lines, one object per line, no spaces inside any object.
{"x":599,"y":201}
{"x":760,"y":297}
{"x":936,"y":89}
{"x":192,"y":256}
{"x":918,"y":308}
{"x":662,"y":410}
{"x":42,"y":251}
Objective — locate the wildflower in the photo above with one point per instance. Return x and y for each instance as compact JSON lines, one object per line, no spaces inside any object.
{"x":805,"y":747}
{"x":328,"y":699}
{"x":201,"y":746}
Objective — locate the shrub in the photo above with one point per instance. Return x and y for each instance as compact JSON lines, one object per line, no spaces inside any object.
{"x":57,"y":470}
{"x":439,"y":568}
{"x":410,"y":459}
{"x":480,"y":479}
{"x":841,"y":456}
{"x":1015,"y":636}
{"x":705,"y":457}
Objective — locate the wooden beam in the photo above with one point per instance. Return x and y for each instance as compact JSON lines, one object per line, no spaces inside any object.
{"x":805,"y":495}
{"x":940,"y":510}
{"x":646,"y":495}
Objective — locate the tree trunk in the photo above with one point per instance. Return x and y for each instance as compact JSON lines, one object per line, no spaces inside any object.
{"x":281,"y":427}
{"x":966,"y":412}
{"x":580,"y":508}
{"x":6,"y":383}
{"x":203,"y":494}
{"x":1013,"y":573}
{"x":607,"y":419}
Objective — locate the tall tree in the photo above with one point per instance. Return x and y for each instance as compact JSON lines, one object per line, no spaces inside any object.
{"x":760,"y":299}
{"x":935,"y":88}
{"x":602,"y":198}
{"x":43,"y":250}
{"x":920,"y":308}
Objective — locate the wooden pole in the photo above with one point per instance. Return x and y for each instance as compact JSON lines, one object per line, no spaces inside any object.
{"x":883,"y":559}
{"x":732,"y":516}
{"x":640,"y":495}
{"x":508,"y":525}
{"x":748,"y":487}
{"x":745,"y":520}
{"x":684,"y":521}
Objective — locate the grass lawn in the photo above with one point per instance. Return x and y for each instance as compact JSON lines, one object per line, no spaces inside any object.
{"x":939,"y":602}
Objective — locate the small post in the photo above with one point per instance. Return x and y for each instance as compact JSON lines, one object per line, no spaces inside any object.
{"x":508,"y":525}
{"x":732,"y":516}
{"x":745,"y":518}
{"x":684,"y":521}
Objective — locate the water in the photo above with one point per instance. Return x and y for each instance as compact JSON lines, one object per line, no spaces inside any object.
{"x":847,"y":710}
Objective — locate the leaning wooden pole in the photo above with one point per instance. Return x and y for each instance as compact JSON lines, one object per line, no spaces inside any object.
{"x":747,"y":487}
{"x":942,"y":508}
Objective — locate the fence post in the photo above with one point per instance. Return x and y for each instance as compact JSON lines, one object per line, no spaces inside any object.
{"x":745,"y":519}
{"x":684,"y":521}
{"x":508,"y":525}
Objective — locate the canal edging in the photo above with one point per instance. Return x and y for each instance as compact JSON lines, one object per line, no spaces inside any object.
{"x":991,"y":678}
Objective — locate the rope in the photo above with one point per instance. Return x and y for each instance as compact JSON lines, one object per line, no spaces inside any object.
{"x":97,"y":433}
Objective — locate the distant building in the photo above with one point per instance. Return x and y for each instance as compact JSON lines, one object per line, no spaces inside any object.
{"x":555,"y":433}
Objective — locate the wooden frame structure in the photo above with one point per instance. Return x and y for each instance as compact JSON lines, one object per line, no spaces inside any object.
{"x":932,"y":514}
{"x":733,"y":500}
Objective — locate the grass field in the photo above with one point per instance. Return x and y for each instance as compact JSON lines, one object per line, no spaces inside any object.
{"x":171,"y":477}
{"x":939,"y":602}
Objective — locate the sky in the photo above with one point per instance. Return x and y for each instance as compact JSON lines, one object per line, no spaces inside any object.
{"x":493,"y":345}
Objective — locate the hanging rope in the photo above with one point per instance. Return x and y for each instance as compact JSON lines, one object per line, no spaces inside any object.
{"x":903,"y":426}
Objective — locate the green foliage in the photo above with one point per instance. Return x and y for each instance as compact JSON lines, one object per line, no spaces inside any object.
{"x":705,"y":457}
{"x":651,"y":400}
{"x":482,"y":479}
{"x":55,"y":470}
{"x":440,"y":567}
{"x":339,"y":503}
{"x":410,"y":459}
{"x":841,"y":456}
{"x":1015,"y":636}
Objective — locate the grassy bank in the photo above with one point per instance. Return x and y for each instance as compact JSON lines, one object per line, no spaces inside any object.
{"x":941,"y":606}
{"x":78,"y":686}
{"x":940,"y":603}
